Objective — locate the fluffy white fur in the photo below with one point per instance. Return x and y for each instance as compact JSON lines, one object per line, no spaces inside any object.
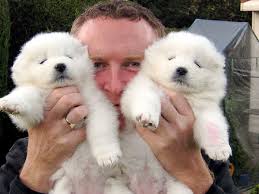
{"x":138,"y":171}
{"x":35,"y":74}
{"x":189,"y":64}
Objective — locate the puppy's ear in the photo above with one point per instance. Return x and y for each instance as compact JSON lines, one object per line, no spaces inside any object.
{"x":82,"y":49}
{"x":18,"y":66}
{"x":218,"y":60}
{"x":18,"y":63}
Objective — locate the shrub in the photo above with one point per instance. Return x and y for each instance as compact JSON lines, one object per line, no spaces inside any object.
{"x":4,"y":45}
{"x":255,"y":190}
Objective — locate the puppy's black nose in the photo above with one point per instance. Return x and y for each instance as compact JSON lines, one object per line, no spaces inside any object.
{"x":60,"y":67}
{"x":181,"y":71}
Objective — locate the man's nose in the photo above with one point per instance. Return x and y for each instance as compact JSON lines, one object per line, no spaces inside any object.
{"x":114,"y":84}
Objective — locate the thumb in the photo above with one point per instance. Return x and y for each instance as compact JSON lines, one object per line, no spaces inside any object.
{"x":147,"y":135}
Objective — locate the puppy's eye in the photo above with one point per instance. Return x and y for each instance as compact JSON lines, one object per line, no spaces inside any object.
{"x":196,"y":63}
{"x":43,"y":61}
{"x":69,"y":56}
{"x":170,"y":58}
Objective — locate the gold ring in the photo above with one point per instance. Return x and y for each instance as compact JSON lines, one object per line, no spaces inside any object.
{"x":71,"y":125}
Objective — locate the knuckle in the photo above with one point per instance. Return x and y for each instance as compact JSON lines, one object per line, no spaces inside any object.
{"x":182,"y":125}
{"x":56,"y":93}
{"x":77,"y":113}
{"x":81,"y":134}
{"x":61,"y":141}
{"x":69,"y":100}
{"x":174,"y":95}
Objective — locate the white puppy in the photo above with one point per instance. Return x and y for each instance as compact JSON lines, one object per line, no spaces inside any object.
{"x":51,"y":60}
{"x":189,"y":64}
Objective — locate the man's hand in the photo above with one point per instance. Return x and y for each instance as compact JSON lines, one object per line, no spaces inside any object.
{"x":53,"y":141}
{"x":174,"y":146}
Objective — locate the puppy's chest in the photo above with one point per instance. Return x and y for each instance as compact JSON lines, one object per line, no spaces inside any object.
{"x":136,"y":154}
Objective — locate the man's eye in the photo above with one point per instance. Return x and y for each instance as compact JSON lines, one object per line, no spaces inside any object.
{"x":132,"y":64}
{"x":99,"y":65}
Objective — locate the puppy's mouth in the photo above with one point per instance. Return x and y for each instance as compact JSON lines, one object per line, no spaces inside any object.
{"x":62,"y":77}
{"x":180,"y":81}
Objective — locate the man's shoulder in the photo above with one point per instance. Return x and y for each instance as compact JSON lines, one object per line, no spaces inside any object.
{"x":15,"y":159}
{"x":17,"y":153}
{"x":20,"y":144}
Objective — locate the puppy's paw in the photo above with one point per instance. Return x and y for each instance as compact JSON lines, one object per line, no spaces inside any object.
{"x":9,"y":107}
{"x":108,"y":157}
{"x":146,"y":120}
{"x":147,"y":117}
{"x":219,"y":152}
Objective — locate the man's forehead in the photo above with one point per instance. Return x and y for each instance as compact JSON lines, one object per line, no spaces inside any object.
{"x":108,"y":29}
{"x":107,"y":38}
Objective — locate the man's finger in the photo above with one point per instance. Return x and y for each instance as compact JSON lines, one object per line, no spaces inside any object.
{"x":168,"y":111}
{"x":56,"y":94}
{"x":164,"y":128}
{"x":65,"y":104}
{"x":77,"y":114}
{"x":148,"y":136}
{"x":179,"y":102}
{"x":75,"y":137}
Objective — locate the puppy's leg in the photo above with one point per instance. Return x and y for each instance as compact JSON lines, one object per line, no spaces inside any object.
{"x":102,"y":128}
{"x":211,"y":133}
{"x":24,"y":105}
{"x":141,"y":102}
{"x":176,"y":187}
{"x":62,"y":186}
{"x":114,"y":186}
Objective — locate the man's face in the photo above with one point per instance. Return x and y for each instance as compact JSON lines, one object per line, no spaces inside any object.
{"x":116,"y":47}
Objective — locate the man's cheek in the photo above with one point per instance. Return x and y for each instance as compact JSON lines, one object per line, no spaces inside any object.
{"x":100,"y":79}
{"x":126,"y":75}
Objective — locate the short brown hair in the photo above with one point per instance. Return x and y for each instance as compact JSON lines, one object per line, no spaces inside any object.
{"x":118,"y":9}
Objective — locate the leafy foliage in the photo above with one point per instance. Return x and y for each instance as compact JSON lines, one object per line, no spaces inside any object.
{"x":182,"y":13}
{"x":4,"y":54}
{"x":29,"y":17}
{"x":255,"y":190}
{"x":4,"y":44}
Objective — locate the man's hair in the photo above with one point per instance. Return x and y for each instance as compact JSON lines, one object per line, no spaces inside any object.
{"x":119,"y":9}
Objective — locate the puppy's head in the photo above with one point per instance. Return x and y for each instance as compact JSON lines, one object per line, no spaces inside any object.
{"x":51,"y":60}
{"x":185,"y":62}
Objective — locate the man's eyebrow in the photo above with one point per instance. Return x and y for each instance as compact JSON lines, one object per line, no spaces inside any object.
{"x":134,"y":58}
{"x":96,"y":58}
{"x":128,"y":58}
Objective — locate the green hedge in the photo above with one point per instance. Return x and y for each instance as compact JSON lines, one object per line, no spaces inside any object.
{"x":29,"y":17}
{"x":255,"y":190}
{"x":4,"y":45}
{"x":181,"y":13}
{"x":4,"y":54}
